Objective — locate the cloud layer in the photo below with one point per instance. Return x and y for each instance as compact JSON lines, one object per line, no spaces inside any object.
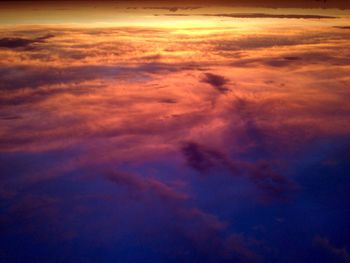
{"x":210,"y":142}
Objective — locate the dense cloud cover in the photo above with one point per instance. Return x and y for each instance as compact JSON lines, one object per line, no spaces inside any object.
{"x":225,"y":142}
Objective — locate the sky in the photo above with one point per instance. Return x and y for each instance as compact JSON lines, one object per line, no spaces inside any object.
{"x":143,"y":131}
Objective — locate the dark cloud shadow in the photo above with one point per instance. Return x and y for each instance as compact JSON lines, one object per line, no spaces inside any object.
{"x":216,"y":81}
{"x":16,"y":77}
{"x":272,"y":186}
{"x":259,"y":15}
{"x":342,"y":27}
{"x":168,"y":8}
{"x":16,"y":42}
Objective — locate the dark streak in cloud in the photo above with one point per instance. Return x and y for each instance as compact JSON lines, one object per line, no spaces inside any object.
{"x":292,"y":58}
{"x":258,"y":15}
{"x":202,"y":159}
{"x":38,"y":95}
{"x":216,"y":81}
{"x":168,"y":101}
{"x":252,"y":134}
{"x":300,"y":59}
{"x":17,"y":77}
{"x":342,"y":27}
{"x":278,"y":62}
{"x":263,"y":15}
{"x":169,"y":8}
{"x":265,"y":41}
{"x":16,"y":42}
{"x":273,"y":185}
{"x":9,"y":117}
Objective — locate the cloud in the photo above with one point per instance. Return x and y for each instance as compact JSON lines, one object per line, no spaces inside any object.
{"x":262,"y":15}
{"x":272,"y":185}
{"x":265,"y":41}
{"x":298,"y":41}
{"x":168,"y":101}
{"x":196,"y":158}
{"x":259,"y":15}
{"x":139,"y":184}
{"x":204,"y":159}
{"x":34,"y":214}
{"x":203,"y":232}
{"x":16,"y":77}
{"x":64,"y":119}
{"x":292,"y":58}
{"x":342,"y":27}
{"x":16,"y":42}
{"x":206,"y":239}
{"x":240,"y":245}
{"x":216,"y":81}
{"x":342,"y":4}
{"x":299,"y":59}
{"x":251,"y":131}
{"x":36,"y":96}
{"x":341,"y":253}
{"x":169,"y":8}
